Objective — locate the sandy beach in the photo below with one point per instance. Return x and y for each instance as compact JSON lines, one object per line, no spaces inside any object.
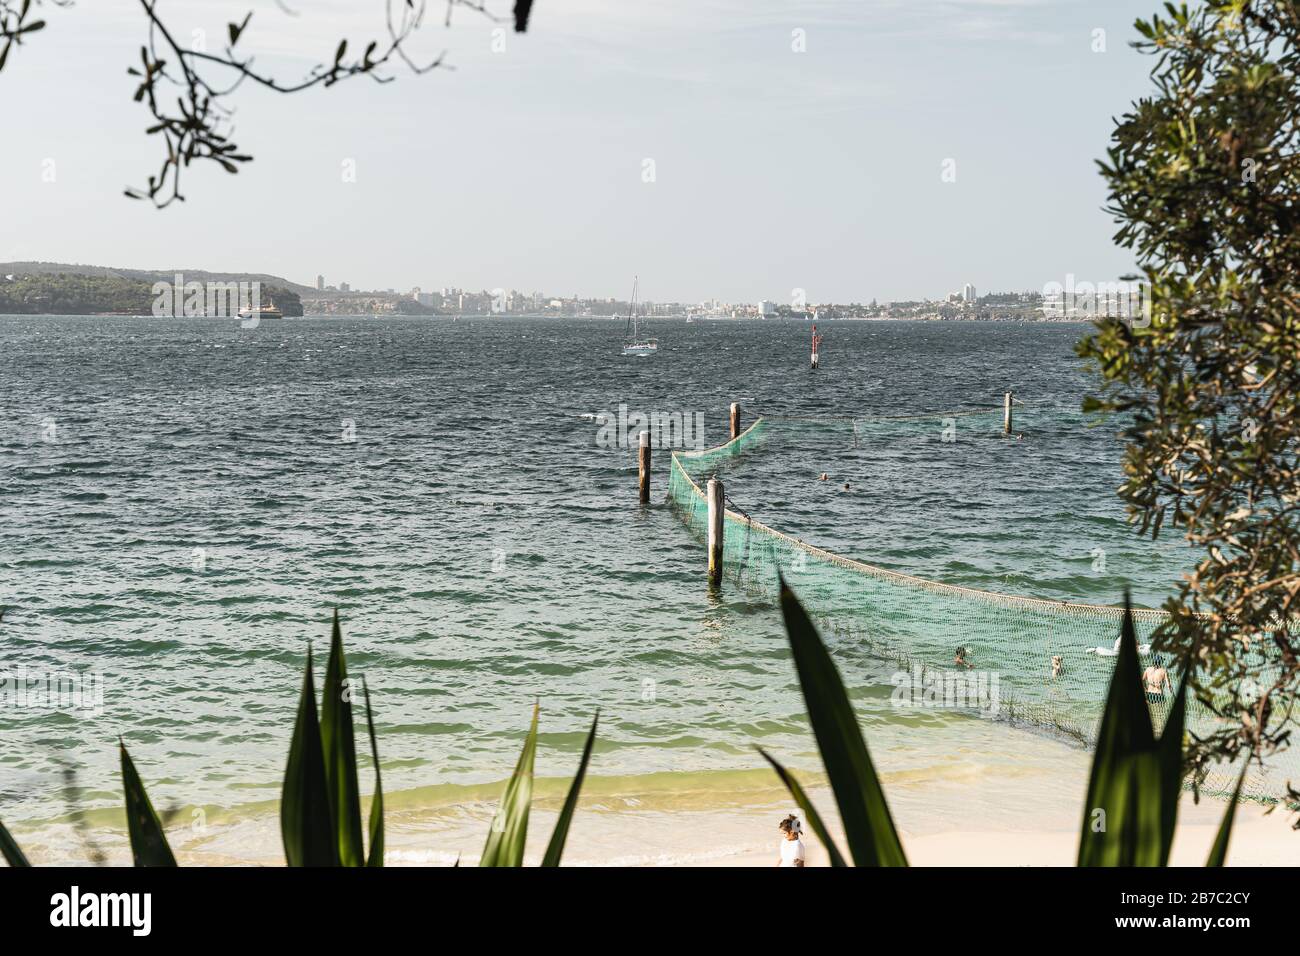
{"x":1009,"y":799}
{"x":1258,"y":839}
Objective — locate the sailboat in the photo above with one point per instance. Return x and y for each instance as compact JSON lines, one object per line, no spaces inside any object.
{"x":634,"y":344}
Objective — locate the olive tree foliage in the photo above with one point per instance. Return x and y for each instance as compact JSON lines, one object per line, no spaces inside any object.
{"x":188,"y":88}
{"x":1204,"y":182}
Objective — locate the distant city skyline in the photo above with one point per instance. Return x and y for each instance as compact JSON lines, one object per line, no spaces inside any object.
{"x":765,"y":305}
{"x":721,"y":149}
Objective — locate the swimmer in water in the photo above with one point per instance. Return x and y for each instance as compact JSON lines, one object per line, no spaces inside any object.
{"x":1155,"y":681}
{"x":1057,"y":667}
{"x":823,"y":477}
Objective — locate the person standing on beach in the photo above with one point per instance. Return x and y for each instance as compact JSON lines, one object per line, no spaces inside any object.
{"x":791,"y":846}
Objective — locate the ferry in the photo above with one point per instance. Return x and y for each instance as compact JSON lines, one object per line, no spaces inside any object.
{"x":268,"y":311}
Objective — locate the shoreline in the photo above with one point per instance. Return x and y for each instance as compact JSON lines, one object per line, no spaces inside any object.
{"x":1002,"y":819}
{"x":734,"y":836}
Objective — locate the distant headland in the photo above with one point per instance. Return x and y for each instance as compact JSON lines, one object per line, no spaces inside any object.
{"x":53,"y":288}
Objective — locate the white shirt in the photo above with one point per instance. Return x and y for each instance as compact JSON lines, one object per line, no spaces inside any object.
{"x":791,"y":850}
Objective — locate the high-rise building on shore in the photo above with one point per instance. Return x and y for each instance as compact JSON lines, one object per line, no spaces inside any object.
{"x":968,"y":293}
{"x":320,"y":283}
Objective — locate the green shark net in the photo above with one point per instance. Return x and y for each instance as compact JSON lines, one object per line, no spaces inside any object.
{"x":916,"y":623}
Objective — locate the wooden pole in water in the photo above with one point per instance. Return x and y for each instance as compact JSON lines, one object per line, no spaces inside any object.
{"x":1006,"y":413}
{"x":735,"y":420}
{"x":717,"y":500}
{"x":643,"y":456}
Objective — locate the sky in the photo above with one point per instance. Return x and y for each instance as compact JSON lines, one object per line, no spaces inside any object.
{"x":729,"y":149}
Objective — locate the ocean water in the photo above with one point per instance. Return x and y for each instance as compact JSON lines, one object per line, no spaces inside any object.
{"x":185,"y":502}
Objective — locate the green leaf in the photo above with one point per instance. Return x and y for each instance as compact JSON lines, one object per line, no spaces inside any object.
{"x":237,"y":28}
{"x":376,"y":857}
{"x":305,"y":824}
{"x":801,"y":798}
{"x":1120,"y":837}
{"x":9,"y":848}
{"x":868,"y":826}
{"x":148,"y":842}
{"x":338,"y":743}
{"x":505,"y":842}
{"x":1219,"y":852}
{"x":1143,"y":813}
{"x":561,"y":832}
{"x":1171,"y":770}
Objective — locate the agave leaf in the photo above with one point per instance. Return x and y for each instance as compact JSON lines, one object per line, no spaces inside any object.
{"x":305,"y":824}
{"x":505,"y":842}
{"x":13,"y":855}
{"x":561,"y":832}
{"x":148,"y":841}
{"x":1219,"y":852}
{"x":1171,"y":770}
{"x":809,"y":811}
{"x":376,"y":857}
{"x":1143,"y":843}
{"x":868,"y":826}
{"x":340,"y":747}
{"x":1125,"y":733}
{"x":1128,"y":834}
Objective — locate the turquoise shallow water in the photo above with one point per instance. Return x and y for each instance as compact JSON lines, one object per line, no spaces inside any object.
{"x":183,"y":505}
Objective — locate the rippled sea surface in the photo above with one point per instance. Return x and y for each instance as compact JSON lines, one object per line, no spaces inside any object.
{"x":185,"y":502}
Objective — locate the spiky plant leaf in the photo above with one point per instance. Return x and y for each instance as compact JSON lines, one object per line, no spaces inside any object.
{"x":868,"y":826}
{"x":1123,"y":815}
{"x":505,"y":842}
{"x":376,"y":857}
{"x":561,"y":832}
{"x":809,"y":811}
{"x":148,"y":841}
{"x":339,"y":745}
{"x":1172,"y":769}
{"x":1219,"y":852}
{"x":305,"y":823}
{"x":9,"y":848}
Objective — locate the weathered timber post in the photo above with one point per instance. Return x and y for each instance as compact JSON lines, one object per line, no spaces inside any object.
{"x":717,"y":505}
{"x":643,"y":455}
{"x":735,"y":420}
{"x":1006,"y":413}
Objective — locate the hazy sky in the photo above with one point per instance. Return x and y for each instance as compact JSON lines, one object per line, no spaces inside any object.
{"x":525,"y":168}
